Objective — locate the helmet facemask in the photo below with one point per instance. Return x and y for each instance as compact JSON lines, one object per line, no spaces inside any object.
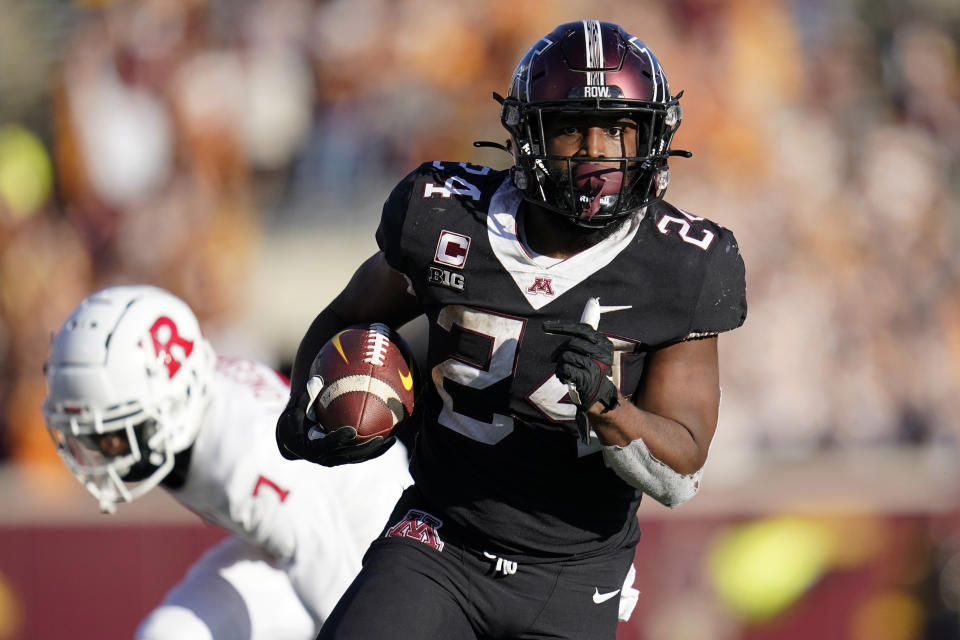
{"x":591,"y":192}
{"x":116,"y":462}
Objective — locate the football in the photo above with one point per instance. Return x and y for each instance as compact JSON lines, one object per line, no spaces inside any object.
{"x":363,"y":377}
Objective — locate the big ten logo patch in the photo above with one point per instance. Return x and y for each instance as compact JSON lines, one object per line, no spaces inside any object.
{"x":445,"y":278}
{"x":452,"y":249}
{"x":166,"y":338}
{"x":420,"y":526}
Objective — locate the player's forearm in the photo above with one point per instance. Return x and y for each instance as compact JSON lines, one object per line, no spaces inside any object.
{"x":660,"y":456}
{"x":375,"y":293}
{"x":323,"y":327}
{"x":683,"y":448}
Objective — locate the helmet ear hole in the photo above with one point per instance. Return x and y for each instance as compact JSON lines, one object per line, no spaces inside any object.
{"x":519,"y":178}
{"x":663,"y":179}
{"x":674,"y":115}
{"x":510,"y":114}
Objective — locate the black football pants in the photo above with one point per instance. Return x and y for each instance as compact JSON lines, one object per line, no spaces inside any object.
{"x":409,"y":589}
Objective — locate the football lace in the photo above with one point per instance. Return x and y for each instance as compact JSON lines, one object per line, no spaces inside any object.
{"x":376,"y":344}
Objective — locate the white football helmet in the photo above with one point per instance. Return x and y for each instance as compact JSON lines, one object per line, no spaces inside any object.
{"x":128,"y":384}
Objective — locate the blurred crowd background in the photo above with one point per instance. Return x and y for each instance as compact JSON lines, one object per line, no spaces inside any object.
{"x":237,"y":152}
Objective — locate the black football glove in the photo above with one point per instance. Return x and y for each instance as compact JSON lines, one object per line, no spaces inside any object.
{"x":300,"y":437}
{"x":291,"y":427}
{"x":585,"y":361}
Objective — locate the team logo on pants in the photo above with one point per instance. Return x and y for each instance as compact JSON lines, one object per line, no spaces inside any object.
{"x":420,"y":526}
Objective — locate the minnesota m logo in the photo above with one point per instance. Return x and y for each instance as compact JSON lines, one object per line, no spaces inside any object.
{"x":420,"y":526}
{"x":541,"y":285}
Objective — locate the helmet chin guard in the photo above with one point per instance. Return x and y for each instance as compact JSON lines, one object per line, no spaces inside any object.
{"x":128,"y":384}
{"x":591,"y":68}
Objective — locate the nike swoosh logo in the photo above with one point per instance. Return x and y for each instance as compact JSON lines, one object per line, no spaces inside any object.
{"x":622,"y":307}
{"x":599,"y":598}
{"x":336,"y":343}
{"x":592,"y":311}
{"x":407,"y":380}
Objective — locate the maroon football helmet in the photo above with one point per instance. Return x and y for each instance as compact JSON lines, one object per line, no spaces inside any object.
{"x":588,"y":67}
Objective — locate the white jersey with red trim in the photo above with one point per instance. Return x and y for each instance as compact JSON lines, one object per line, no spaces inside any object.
{"x":314,"y":522}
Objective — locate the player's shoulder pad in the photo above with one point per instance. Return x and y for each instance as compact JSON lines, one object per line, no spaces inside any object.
{"x":261,"y":384}
{"x":686,"y":229}
{"x":451,"y":181}
{"x":432,"y":189}
{"x":721,"y":303}
{"x":459,"y":180}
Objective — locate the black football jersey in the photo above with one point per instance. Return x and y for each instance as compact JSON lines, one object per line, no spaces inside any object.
{"x":495,"y":456}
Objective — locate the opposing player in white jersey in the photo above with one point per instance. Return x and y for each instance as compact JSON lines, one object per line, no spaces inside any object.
{"x":137,"y":398}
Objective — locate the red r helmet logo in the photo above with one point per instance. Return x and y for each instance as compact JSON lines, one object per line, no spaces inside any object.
{"x":164,"y":334}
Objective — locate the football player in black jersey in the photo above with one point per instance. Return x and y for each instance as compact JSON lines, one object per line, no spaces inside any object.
{"x":573,"y":318}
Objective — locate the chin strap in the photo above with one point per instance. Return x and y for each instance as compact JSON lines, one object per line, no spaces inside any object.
{"x":493,"y":145}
